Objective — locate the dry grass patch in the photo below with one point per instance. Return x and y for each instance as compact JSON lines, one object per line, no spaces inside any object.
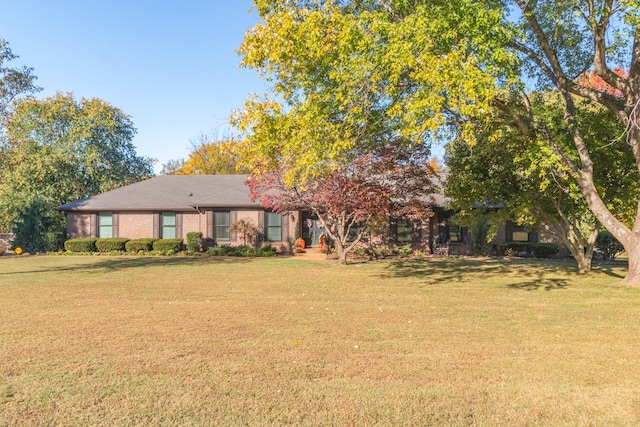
{"x":191,"y":341}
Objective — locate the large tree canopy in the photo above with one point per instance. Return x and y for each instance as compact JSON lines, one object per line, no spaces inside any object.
{"x":60,"y":149}
{"x":347,"y":74}
{"x":527,"y":185}
{"x":351,"y":80}
{"x":560,"y":41}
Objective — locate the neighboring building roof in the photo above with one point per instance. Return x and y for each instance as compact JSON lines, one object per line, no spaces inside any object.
{"x":171,"y":193}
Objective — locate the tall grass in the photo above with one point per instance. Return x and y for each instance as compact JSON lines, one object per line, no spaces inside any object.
{"x":216,"y":341}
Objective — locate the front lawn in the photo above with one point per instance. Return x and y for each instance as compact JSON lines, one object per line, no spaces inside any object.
{"x":237,"y":341}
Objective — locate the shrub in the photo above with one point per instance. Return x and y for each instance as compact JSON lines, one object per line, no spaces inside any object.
{"x":608,"y":246}
{"x":194,"y":241}
{"x":544,"y":250}
{"x":361,"y":252}
{"x":382,"y":253}
{"x":247,"y":230}
{"x":267,"y":250}
{"x":113,"y":244}
{"x":85,"y":244}
{"x":479,"y":236}
{"x":219,"y":250}
{"x":138,"y":245}
{"x":527,"y":249}
{"x":405,"y":251}
{"x":36,"y":228}
{"x":242,"y":251}
{"x":167,"y":245}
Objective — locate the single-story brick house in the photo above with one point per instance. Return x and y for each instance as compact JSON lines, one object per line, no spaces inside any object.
{"x":171,"y":206}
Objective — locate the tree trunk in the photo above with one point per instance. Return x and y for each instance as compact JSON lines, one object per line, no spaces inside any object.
{"x":584,"y":262}
{"x":342,"y":255}
{"x":632,"y":248}
{"x":582,"y":254}
{"x":630,"y":238}
{"x":581,"y":248}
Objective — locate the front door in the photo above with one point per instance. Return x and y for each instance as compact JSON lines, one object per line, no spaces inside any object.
{"x":311,"y":229}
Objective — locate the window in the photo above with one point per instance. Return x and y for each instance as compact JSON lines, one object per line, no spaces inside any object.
{"x":520,"y":236}
{"x":518,"y":233}
{"x":354,"y":231}
{"x":274,"y":227}
{"x":168,"y":225}
{"x":105,"y":225}
{"x":222,"y":221}
{"x":454,"y":232}
{"x":404,"y":230}
{"x":451,"y":231}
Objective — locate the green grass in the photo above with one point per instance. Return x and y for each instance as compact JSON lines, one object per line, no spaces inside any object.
{"x":220,"y":341}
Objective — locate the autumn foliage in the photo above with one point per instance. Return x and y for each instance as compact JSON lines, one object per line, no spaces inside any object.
{"x":390,"y":181}
{"x":593,"y":81}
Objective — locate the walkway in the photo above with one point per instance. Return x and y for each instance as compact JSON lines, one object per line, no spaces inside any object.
{"x":311,"y":253}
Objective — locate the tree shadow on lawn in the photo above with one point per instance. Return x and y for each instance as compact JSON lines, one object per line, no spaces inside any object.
{"x":608,"y":267}
{"x":438,"y":271}
{"x":546,"y":284}
{"x":111,"y":264}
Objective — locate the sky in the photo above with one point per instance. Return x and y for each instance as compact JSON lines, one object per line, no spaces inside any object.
{"x":171,"y":65}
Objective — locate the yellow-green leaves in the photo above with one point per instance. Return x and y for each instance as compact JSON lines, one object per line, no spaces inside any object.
{"x":349,"y":76}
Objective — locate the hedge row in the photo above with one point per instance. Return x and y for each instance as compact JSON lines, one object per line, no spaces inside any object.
{"x":86,"y":244}
{"x":194,"y":241}
{"x":242,"y":251}
{"x":140,"y":245}
{"x":527,"y":249}
{"x":115,"y":244}
{"x":120,"y":244}
{"x":164,"y":246}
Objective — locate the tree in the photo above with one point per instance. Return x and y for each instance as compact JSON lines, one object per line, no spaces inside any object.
{"x":14,"y":81}
{"x":355,"y":84}
{"x":351,"y":75}
{"x":247,"y":229}
{"x":560,"y":41}
{"x":390,"y":182}
{"x":209,"y":157}
{"x":418,"y":67}
{"x":525,"y":183}
{"x":35,"y":228}
{"x":59,"y":150}
{"x":172,"y":167}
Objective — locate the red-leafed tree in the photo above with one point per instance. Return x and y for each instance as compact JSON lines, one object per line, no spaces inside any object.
{"x":592,"y":80}
{"x":388,"y":182}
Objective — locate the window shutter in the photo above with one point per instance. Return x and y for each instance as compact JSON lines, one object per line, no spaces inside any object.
{"x":156,"y":225}
{"x":179,"y":226}
{"x":93,"y":225}
{"x":262,"y":232}
{"x":115,"y":224}
{"x":285,"y":227}
{"x":210,"y":227}
{"x":393,"y":231}
{"x":233,"y":218}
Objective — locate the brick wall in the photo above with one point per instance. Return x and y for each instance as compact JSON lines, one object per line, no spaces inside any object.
{"x":194,"y":221}
{"x":138,"y":225}
{"x":78,"y":225}
{"x":135,"y":225}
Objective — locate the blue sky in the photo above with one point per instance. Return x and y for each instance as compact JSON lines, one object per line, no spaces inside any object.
{"x":171,"y":65}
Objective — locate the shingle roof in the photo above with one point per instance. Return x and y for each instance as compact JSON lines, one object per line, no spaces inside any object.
{"x":171,"y":193}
